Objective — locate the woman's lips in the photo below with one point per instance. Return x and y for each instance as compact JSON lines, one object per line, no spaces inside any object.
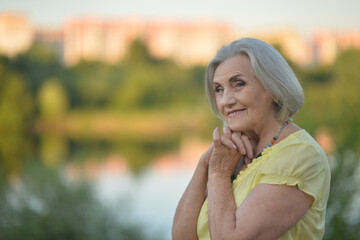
{"x":235,"y":113}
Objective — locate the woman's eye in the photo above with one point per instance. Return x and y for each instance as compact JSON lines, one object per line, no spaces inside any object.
{"x":218,"y":89}
{"x":240,"y":84}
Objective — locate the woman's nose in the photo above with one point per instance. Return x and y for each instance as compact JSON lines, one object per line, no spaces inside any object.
{"x":228,"y":98}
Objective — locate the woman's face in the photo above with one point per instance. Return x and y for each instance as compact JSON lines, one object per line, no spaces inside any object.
{"x":240,"y":97}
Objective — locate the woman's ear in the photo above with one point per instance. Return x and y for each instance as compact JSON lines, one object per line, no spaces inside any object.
{"x":277,"y":101}
{"x":277,"y":107}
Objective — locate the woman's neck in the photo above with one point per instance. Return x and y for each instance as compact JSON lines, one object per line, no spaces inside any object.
{"x":261,"y":137}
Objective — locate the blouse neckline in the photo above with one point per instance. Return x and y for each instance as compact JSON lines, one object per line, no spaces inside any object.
{"x":256,"y":161}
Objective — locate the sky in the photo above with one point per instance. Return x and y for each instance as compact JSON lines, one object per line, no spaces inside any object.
{"x":305,"y":16}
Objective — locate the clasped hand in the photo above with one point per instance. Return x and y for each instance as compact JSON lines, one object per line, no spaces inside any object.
{"x":226,"y":151}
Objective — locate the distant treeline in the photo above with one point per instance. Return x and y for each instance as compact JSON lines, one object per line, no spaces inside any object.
{"x":35,"y":85}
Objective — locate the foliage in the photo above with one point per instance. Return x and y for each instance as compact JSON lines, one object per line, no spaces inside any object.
{"x":331,"y":102}
{"x":150,"y":83}
{"x":42,"y":205}
{"x":16,"y":114}
{"x":332,"y":99}
{"x":94,"y":83}
{"x":53,"y":100}
{"x":343,"y":212}
{"x":140,"y":83}
{"x":37,"y":65}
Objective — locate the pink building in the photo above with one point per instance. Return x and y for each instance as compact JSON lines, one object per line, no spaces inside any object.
{"x":293,"y":46}
{"x":328,"y":44}
{"x":16,"y":34}
{"x":186,"y":43}
{"x":118,"y":35}
{"x":95,"y":40}
{"x":83,"y":39}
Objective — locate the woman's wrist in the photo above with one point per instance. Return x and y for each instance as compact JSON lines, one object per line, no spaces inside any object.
{"x":203,"y":163}
{"x":220,"y":173}
{"x":205,"y":157}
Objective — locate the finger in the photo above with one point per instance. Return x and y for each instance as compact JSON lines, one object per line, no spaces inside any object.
{"x":216,"y":137}
{"x":247,"y":160}
{"x":248,"y":146}
{"x":227,"y":132}
{"x":227,"y":142}
{"x":236,"y":138}
{"x":209,"y":150}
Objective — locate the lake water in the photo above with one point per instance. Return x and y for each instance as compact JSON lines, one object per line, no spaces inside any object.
{"x":151,"y":196}
{"x":148,"y":195}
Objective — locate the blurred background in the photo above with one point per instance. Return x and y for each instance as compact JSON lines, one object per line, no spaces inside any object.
{"x":103,"y":115}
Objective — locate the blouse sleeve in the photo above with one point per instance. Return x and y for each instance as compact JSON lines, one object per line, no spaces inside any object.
{"x":298,"y":164}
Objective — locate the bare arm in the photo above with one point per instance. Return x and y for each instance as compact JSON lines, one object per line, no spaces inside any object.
{"x":188,"y":209}
{"x":266,"y":213}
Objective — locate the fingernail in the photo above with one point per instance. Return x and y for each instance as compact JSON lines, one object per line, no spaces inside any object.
{"x":235,"y":147}
{"x":215,"y":131}
{"x":243,"y":150}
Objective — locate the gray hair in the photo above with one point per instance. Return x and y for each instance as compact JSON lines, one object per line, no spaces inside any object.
{"x":269,"y":67}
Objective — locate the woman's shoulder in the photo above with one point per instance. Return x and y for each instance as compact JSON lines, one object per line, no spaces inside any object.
{"x":298,"y":160}
{"x":299,"y":142}
{"x":298,"y":151}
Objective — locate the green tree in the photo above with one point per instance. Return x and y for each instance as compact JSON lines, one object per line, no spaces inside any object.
{"x":16,"y":108}
{"x":94,"y":82}
{"x":331,"y":102}
{"x":46,"y":205}
{"x":150,"y":83}
{"x":53,"y":100}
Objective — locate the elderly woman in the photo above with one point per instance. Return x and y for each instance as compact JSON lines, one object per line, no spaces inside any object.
{"x":264,"y":178}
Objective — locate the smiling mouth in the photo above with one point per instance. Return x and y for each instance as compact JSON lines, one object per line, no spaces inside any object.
{"x":235,"y":113}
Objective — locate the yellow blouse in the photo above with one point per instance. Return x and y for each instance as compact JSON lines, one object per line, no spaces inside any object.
{"x":296,"y":160}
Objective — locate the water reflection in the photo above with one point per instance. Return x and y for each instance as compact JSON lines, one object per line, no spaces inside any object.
{"x":43,"y":204}
{"x":53,"y":149}
{"x":96,"y":188}
{"x":77,"y":189}
{"x":152,"y":194}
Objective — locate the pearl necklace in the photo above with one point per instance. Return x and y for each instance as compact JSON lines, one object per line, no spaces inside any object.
{"x":280,"y":130}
